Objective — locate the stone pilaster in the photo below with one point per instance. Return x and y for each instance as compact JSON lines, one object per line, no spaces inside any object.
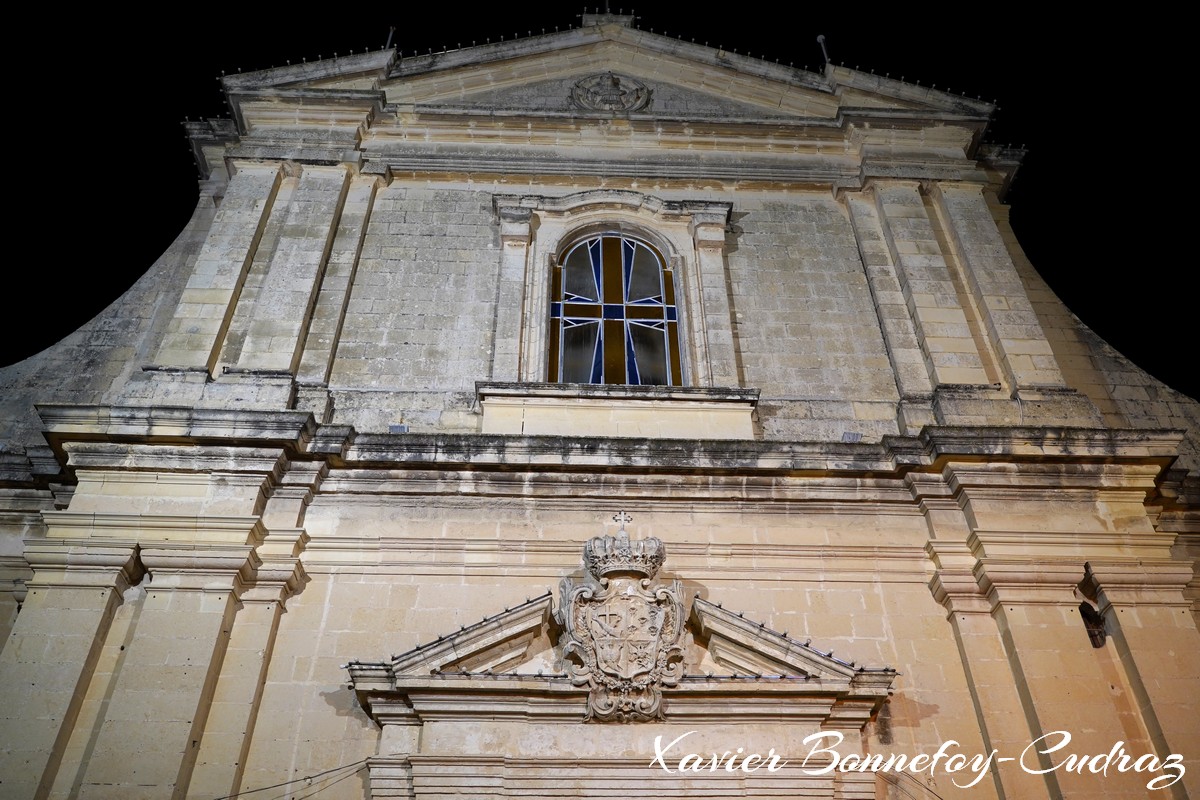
{"x":20,"y":522}
{"x":510,"y":307}
{"x":49,"y":657}
{"x":195,"y":512}
{"x":943,"y":326}
{"x":197,"y":329}
{"x":1066,"y":685}
{"x":233,"y":711}
{"x":324,"y":331}
{"x":900,"y":337}
{"x":712,"y":339}
{"x":1033,"y":527}
{"x":848,"y":719}
{"x":1012,"y":327}
{"x":1150,"y":624}
{"x":161,"y":697}
{"x":996,"y":700}
{"x":232,"y":719}
{"x":390,"y":771}
{"x":271,"y":322}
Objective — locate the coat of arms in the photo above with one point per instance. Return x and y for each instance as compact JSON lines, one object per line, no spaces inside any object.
{"x":610,"y":92}
{"x":622,"y":632}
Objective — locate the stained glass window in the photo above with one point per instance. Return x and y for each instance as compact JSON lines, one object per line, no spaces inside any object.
{"x":612,"y":315}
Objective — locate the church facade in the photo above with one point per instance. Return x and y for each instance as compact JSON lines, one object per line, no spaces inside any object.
{"x":596,"y":414}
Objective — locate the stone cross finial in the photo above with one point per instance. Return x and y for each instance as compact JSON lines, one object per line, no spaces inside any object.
{"x":621,"y":517}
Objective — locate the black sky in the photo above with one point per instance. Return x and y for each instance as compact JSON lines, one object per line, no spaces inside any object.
{"x":104,"y":126}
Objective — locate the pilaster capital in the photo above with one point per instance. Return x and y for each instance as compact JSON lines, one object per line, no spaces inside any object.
{"x":931,"y":490}
{"x":959,"y":187}
{"x":877,"y":185}
{"x":14,"y":575}
{"x":199,"y":568}
{"x":515,"y":222}
{"x":1126,"y":583}
{"x":850,"y":716}
{"x":82,"y":563}
{"x":275,"y":580}
{"x":708,"y":229}
{"x":954,"y":585}
{"x":1028,"y":582}
{"x":280,"y":572}
{"x":242,"y":166}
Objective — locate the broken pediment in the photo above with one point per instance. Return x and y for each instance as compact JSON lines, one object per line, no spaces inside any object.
{"x":748,"y":647}
{"x":613,"y":650}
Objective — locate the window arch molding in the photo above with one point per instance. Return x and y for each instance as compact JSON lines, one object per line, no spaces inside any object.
{"x":690,"y":235}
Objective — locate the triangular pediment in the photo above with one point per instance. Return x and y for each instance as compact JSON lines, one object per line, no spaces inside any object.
{"x":604,"y":100}
{"x":695,"y":81}
{"x":538,"y":75}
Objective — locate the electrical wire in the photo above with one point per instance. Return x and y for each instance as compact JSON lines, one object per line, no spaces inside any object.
{"x":326,"y":786}
{"x":356,"y":764}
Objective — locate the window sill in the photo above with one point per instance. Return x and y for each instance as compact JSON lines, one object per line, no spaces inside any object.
{"x":655,"y":412}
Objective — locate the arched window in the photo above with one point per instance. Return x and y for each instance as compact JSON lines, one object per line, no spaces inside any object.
{"x":612,"y":315}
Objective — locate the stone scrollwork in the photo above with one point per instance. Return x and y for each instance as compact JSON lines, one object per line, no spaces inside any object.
{"x":622,"y":631}
{"x":610,"y":92}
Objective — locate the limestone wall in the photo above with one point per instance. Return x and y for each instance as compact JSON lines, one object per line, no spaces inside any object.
{"x":419,"y":324}
{"x":808,"y":334}
{"x":397,"y":315}
{"x":216,"y":646}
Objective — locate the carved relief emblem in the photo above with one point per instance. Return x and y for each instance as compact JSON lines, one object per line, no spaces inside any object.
{"x":622,"y":632}
{"x":610,"y":92}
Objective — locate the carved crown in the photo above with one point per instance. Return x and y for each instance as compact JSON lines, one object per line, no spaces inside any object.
{"x":603,"y":555}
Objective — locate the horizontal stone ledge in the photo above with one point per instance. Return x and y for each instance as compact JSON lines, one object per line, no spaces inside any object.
{"x":81,"y":422}
{"x":934,"y":446}
{"x":1070,"y":546}
{"x":484,"y":451}
{"x":178,"y":529}
{"x":825,"y":172}
{"x":613,"y":392}
{"x":1057,"y":441}
{"x":654,"y":412}
{"x":526,"y":696}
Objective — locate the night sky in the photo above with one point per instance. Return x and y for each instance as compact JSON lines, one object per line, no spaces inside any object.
{"x":1087,"y":204}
